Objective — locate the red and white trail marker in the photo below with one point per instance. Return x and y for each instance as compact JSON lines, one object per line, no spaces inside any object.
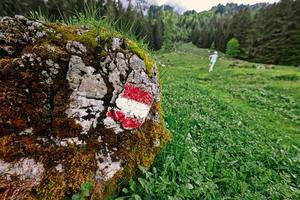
{"x":133,"y":106}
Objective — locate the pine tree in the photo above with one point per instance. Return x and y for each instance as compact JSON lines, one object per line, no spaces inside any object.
{"x":290,"y":47}
{"x":158,"y":37}
{"x":196,"y":35}
{"x":240,"y":27}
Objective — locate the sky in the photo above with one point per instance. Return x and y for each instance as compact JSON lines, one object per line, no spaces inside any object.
{"x":200,"y":5}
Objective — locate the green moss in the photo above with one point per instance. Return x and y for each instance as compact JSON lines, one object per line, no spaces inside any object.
{"x":64,"y":33}
{"x":104,"y":34}
{"x":4,"y":61}
{"x":85,"y":191}
{"x":103,"y":53}
{"x":54,"y":189}
{"x":144,"y":138}
{"x":78,"y":168}
{"x":68,"y":33}
{"x":44,"y":51}
{"x":89,"y":38}
{"x":149,"y":62}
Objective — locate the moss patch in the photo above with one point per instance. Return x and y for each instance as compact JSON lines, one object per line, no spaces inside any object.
{"x":149,"y":62}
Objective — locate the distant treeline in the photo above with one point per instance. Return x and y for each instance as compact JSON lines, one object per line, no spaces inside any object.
{"x":267,"y":33}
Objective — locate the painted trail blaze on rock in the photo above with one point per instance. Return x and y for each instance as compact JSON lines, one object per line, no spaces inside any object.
{"x":137,"y":94}
{"x":134,"y":105}
{"x":76,"y":106}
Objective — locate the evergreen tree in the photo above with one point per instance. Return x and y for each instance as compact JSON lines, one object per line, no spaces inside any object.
{"x":158,"y":37}
{"x":293,"y":43}
{"x":195,"y":37}
{"x":240,"y":27}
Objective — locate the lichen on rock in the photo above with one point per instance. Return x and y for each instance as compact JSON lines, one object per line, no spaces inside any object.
{"x":76,"y":105}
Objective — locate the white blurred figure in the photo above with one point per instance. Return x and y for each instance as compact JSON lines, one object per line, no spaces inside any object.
{"x":212,"y":61}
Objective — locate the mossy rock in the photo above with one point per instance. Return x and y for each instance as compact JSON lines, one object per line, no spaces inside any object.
{"x":77,"y":106}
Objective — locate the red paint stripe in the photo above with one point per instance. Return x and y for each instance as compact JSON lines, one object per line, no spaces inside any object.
{"x":116,"y":115}
{"x":131,"y":123}
{"x":126,"y":122}
{"x":137,"y":94}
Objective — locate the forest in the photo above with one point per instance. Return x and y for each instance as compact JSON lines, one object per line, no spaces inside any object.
{"x":267,"y":33}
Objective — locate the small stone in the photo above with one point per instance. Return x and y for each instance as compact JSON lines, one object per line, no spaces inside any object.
{"x":82,"y":30}
{"x":76,"y":48}
{"x":2,"y":37}
{"x":59,"y":168}
{"x":49,"y":62}
{"x":115,"y":44}
{"x":5,"y":19}
{"x":106,"y":167}
{"x":10,"y":50}
{"x":20,"y":17}
{"x":99,"y":139}
{"x":28,"y":131}
{"x":51,"y":48}
{"x":156,"y":143}
{"x":25,"y":169}
{"x":41,"y":34}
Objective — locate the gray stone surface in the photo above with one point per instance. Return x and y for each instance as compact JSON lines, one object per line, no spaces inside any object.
{"x":88,"y":90}
{"x":25,"y":169}
{"x":75,"y":47}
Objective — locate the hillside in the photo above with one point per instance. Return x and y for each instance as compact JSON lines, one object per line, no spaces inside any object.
{"x":236,"y":131}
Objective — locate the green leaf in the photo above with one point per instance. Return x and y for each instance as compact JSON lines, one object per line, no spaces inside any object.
{"x":86,"y":188}
{"x":125,"y":190}
{"x":76,"y":197}
{"x":132,"y":186}
{"x":136,"y":197}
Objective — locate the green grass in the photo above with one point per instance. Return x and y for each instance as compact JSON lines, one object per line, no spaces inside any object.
{"x":236,"y":132}
{"x":91,"y":17}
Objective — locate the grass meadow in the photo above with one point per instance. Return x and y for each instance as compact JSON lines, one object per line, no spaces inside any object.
{"x":236,"y":132}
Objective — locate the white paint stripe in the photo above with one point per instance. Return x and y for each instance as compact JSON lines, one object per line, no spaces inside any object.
{"x":133,"y":108}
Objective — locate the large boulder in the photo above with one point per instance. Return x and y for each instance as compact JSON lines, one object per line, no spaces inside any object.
{"x":77,"y":105}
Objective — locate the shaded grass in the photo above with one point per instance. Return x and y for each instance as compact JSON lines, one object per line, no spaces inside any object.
{"x":236,"y":132}
{"x":92,"y":18}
